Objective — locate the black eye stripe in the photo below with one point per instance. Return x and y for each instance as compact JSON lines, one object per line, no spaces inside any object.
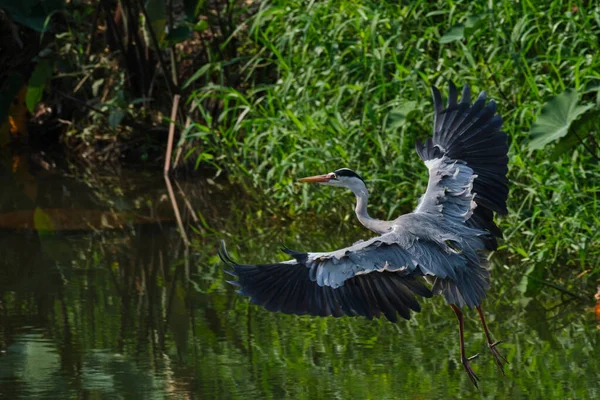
{"x":348,"y":173}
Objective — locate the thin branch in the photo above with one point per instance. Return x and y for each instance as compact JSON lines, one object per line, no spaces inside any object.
{"x":81,"y":102}
{"x":169,"y":151}
{"x":557,"y":287}
{"x":181,"y":142}
{"x":188,"y":205}
{"x":589,"y":150}
{"x":593,"y":139}
{"x":176,"y":210}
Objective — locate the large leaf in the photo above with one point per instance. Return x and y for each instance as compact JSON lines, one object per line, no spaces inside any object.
{"x":177,"y":35}
{"x":555,"y":119}
{"x":34,"y":14}
{"x":157,"y":15}
{"x":37,"y":83}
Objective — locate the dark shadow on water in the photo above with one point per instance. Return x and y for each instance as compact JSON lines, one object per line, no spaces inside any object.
{"x":124,"y":308}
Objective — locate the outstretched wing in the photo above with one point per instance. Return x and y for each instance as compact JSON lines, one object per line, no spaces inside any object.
{"x":467,"y":161}
{"x":378,"y":276}
{"x":369,"y":279}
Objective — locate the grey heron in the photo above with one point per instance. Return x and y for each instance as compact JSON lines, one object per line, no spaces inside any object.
{"x":445,"y":240}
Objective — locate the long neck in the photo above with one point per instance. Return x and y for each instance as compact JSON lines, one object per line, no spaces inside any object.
{"x":362,"y":198}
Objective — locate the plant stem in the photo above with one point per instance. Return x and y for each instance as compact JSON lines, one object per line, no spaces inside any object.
{"x":171,"y":135}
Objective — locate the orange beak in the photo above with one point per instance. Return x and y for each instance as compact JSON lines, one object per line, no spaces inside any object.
{"x":317,"y":178}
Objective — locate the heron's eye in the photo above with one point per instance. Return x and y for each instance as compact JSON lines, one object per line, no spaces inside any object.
{"x":334,"y":176}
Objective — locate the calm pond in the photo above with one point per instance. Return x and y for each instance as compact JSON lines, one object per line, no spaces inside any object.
{"x":100,"y":297}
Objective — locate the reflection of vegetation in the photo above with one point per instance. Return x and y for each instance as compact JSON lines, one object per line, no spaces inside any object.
{"x":165,"y":321}
{"x":137,"y":312}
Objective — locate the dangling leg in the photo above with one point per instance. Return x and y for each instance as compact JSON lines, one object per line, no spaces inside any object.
{"x":464,"y":359}
{"x":500,"y":360}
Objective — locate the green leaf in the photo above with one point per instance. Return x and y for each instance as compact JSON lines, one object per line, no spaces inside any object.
{"x":115,"y":118}
{"x":157,"y":16}
{"x":178,"y":35}
{"x":555,"y":119}
{"x":96,"y":86}
{"x":18,"y":8}
{"x":398,"y":116}
{"x":201,"y":26}
{"x":474,"y":20}
{"x":42,"y":222}
{"x":35,"y":88}
{"x":457,"y":32}
{"x":521,"y":251}
{"x":34,"y":14}
{"x":197,"y":75}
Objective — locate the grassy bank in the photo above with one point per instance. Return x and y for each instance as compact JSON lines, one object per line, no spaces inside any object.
{"x":338,"y":83}
{"x":276,"y":90}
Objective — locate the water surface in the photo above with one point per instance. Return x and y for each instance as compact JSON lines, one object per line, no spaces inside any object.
{"x":101,"y":297}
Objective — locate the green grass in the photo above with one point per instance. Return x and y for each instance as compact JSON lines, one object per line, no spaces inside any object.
{"x":334,"y":84}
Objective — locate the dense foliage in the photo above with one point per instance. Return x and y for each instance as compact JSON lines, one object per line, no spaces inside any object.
{"x":281,"y":89}
{"x":349,"y":86}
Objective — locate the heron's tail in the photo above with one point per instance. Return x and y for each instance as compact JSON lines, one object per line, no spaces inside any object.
{"x":469,"y":287}
{"x":472,"y":133}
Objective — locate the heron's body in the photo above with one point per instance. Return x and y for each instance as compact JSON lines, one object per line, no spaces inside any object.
{"x":445,"y":239}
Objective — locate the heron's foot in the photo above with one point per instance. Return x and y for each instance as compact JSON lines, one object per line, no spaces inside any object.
{"x":467,"y":364}
{"x":500,"y":359}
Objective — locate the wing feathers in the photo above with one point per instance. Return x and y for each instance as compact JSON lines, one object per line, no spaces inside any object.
{"x":471,"y":134}
{"x":287,"y":287}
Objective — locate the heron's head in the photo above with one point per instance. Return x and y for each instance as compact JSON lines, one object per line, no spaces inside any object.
{"x":342,"y":177}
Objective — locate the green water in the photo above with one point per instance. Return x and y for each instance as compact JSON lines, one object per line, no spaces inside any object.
{"x":131,"y":312}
